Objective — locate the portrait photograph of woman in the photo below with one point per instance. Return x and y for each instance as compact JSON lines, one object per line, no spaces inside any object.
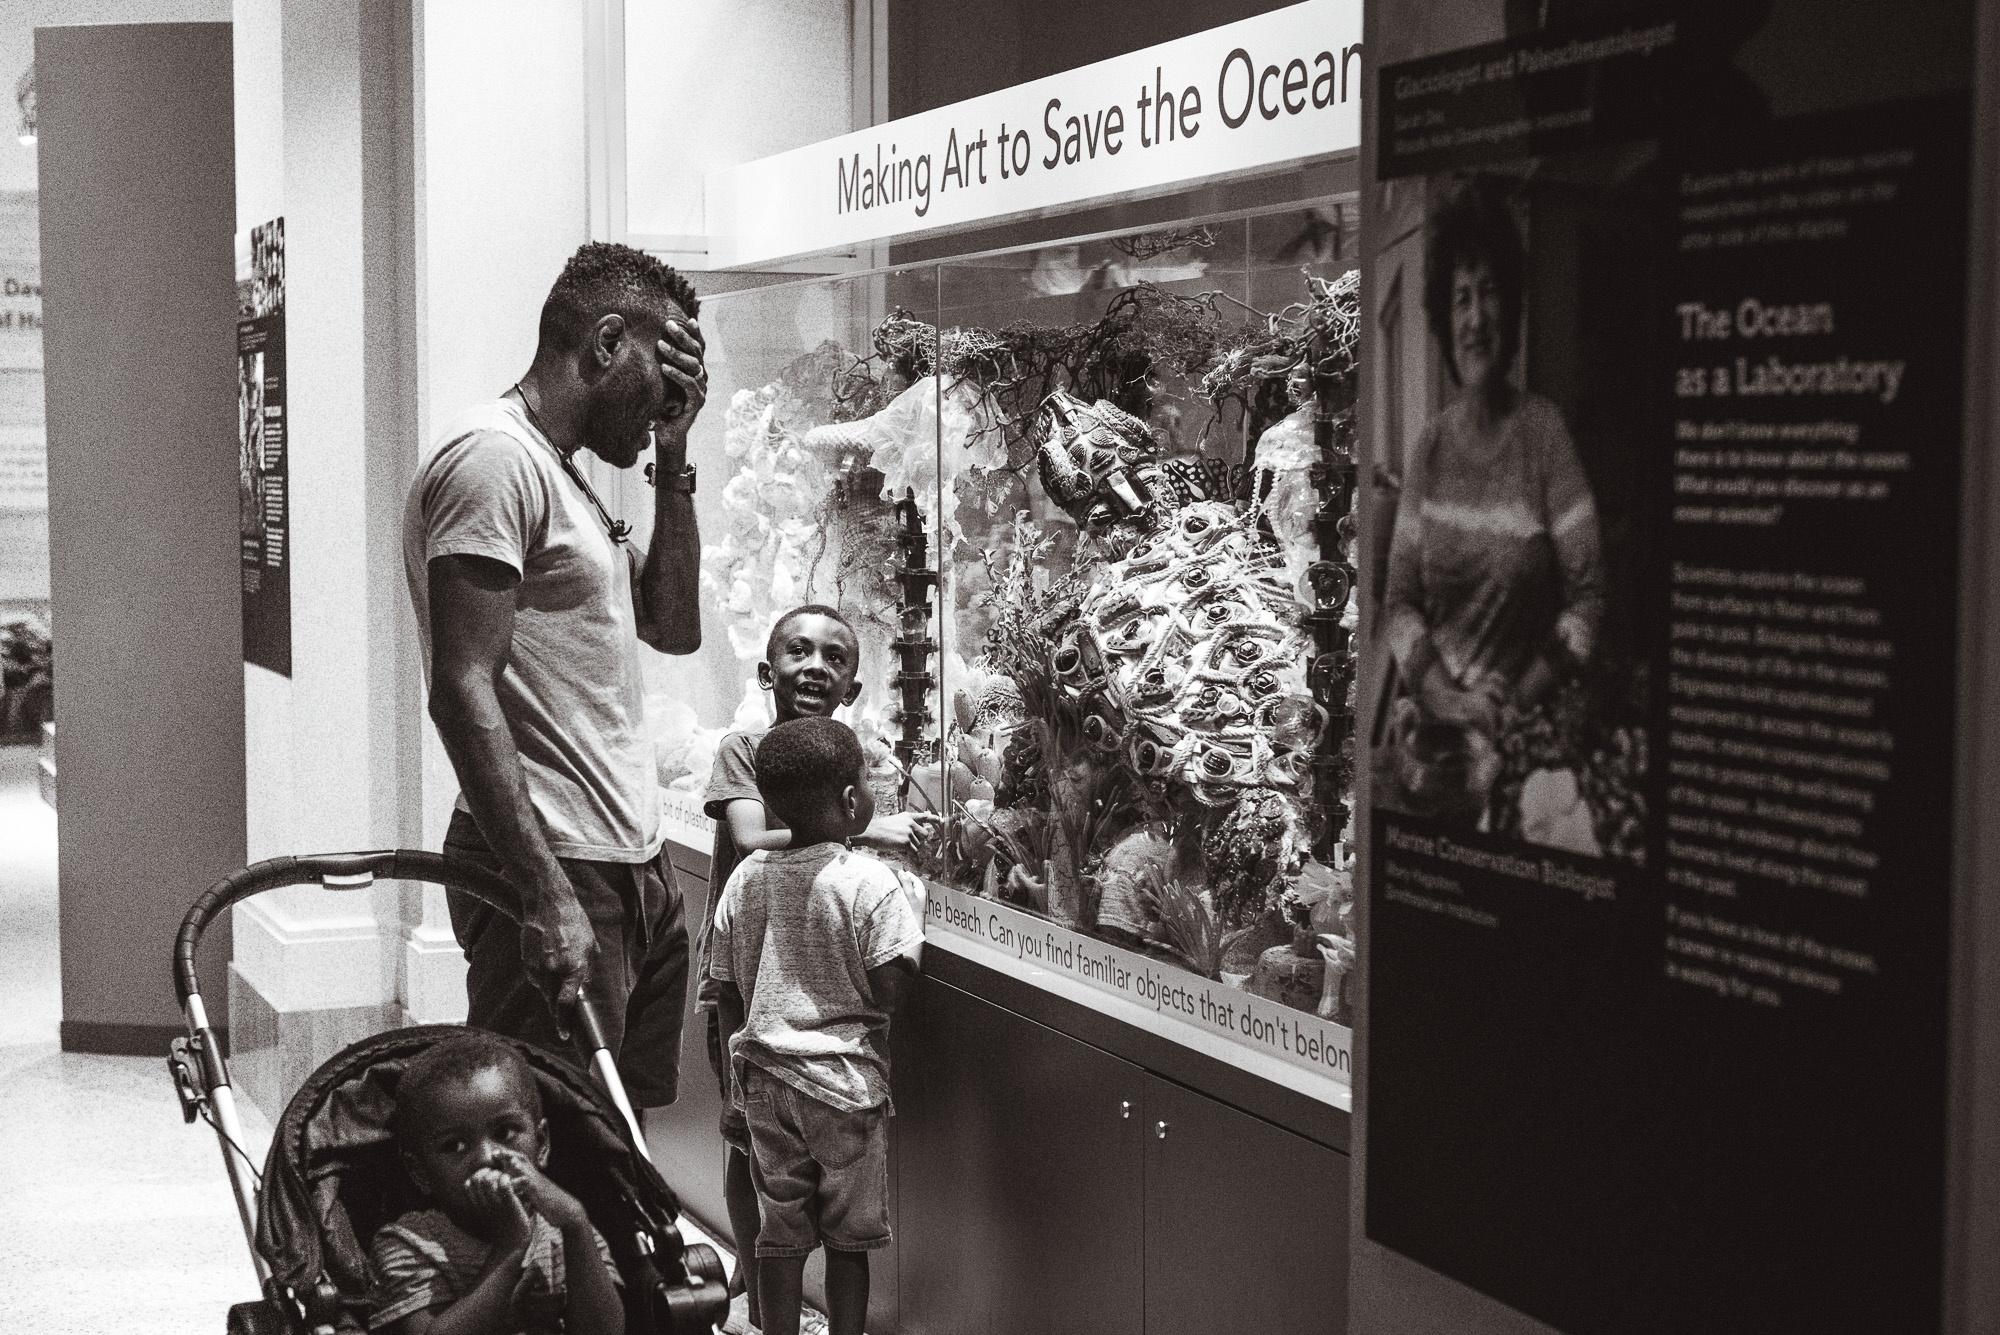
{"x":1506,"y":711}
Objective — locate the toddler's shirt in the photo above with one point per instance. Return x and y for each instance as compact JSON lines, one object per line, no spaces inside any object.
{"x":797,"y":931}
{"x":424,"y":1260}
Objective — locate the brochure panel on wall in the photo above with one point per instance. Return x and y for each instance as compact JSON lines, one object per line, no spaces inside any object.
{"x":263,"y":473}
{"x":1086,"y":505}
{"x":1660,"y":827}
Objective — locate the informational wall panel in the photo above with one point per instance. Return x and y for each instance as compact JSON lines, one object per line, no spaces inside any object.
{"x":263,"y":444}
{"x":1660,"y":878}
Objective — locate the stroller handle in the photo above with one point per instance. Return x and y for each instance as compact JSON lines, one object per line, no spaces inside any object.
{"x":335,"y":871}
{"x":355,"y":871}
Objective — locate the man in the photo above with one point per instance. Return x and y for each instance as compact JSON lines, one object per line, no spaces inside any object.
{"x":530,"y":602}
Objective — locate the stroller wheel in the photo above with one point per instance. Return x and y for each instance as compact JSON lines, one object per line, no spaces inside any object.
{"x":260,"y":1318}
{"x":704,"y":1264}
{"x":701,"y":1303}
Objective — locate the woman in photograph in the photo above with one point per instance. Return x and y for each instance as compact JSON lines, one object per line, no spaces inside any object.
{"x":1495,"y":585}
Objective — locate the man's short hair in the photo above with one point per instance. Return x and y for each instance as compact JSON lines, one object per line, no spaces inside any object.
{"x":808,"y":610}
{"x":804,"y":759}
{"x":605,"y":278}
{"x":456,"y":1060}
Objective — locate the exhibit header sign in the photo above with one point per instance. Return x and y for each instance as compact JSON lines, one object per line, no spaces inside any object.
{"x":1266,"y":92}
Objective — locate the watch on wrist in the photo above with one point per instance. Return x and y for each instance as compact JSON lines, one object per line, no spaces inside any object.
{"x":682,"y":482}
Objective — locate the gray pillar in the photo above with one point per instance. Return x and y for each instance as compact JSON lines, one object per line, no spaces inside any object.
{"x":138,"y":202}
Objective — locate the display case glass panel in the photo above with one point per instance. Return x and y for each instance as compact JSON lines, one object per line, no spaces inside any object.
{"x":1088,"y":507}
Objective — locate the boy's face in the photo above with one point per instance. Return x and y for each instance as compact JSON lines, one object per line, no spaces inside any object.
{"x":811,"y":668}
{"x":460,"y":1127}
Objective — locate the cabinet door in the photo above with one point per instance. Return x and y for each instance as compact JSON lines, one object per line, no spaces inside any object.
{"x":1020,"y":1183}
{"x":1246,"y":1224}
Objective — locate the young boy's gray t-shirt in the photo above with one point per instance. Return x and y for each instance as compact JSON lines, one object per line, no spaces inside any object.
{"x":491,"y":485}
{"x":797,"y":931}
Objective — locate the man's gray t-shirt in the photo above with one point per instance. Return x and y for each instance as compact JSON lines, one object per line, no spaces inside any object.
{"x":797,"y":931}
{"x":492,"y":485}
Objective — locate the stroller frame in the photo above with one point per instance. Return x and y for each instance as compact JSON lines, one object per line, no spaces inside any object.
{"x":692,"y":1296}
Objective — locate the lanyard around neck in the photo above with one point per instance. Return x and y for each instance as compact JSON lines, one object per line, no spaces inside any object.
{"x":618,"y":530}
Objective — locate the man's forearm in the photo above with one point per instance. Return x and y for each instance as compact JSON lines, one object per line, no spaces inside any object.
{"x":669,"y":580}
{"x":488,"y":764}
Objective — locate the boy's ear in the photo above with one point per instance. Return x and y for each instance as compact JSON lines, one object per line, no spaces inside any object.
{"x":850,"y":801}
{"x":764,"y":676}
{"x":853,"y":694}
{"x":542,"y":1143}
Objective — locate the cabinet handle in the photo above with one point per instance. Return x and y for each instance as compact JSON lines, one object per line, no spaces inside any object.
{"x":1125,"y":1109}
{"x":1163,"y":1131}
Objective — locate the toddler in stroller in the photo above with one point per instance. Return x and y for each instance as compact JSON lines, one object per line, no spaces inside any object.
{"x":501,"y":1247}
{"x":366,"y":1150}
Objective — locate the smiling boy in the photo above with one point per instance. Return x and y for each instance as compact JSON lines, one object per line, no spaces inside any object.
{"x":809,"y":667}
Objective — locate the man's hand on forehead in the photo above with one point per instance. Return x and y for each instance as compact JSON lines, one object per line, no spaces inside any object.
{"x":681,"y":362}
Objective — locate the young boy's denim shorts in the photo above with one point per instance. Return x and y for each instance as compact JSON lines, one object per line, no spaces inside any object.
{"x":822,"y":1173}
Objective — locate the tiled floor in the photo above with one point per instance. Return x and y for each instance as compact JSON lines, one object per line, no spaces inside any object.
{"x":118,"y":1216}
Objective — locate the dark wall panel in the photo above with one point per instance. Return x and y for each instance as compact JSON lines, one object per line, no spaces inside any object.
{"x":944,"y":51}
{"x":1021,"y":1184}
{"x":1246,"y":1223}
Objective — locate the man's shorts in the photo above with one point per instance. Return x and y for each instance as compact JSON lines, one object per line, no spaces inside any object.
{"x":822,"y":1173}
{"x":639,"y":984}
{"x":735,"y":1130}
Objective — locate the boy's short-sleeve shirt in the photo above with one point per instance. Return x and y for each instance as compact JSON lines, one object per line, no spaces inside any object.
{"x":424,"y":1260}
{"x":734,"y":777}
{"x":797,"y":931}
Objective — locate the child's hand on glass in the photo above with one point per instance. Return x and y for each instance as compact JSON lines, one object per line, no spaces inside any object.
{"x":900,"y":833}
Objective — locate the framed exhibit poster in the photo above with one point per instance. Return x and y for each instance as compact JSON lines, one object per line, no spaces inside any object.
{"x":262,"y":477}
{"x":1659,"y":837}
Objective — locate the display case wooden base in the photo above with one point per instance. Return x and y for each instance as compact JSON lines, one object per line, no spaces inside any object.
{"x":1054,"y":1169}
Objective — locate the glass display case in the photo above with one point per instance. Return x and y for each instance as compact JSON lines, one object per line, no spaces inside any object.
{"x":1089,"y":508}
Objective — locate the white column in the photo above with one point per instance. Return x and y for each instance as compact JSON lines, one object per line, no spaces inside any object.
{"x":323,"y":137}
{"x":501,"y":189}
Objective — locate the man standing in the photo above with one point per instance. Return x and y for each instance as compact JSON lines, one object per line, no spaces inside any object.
{"x":531,"y":601}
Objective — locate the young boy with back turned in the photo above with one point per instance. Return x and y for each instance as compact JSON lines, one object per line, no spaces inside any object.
{"x":809,"y":667}
{"x":813,"y":947}
{"x":502,"y":1249}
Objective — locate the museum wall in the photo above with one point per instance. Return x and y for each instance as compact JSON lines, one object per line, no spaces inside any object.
{"x":944,"y":51}
{"x":24,"y":528}
{"x":20,"y":18}
{"x":322,"y":142}
{"x":770,"y":77}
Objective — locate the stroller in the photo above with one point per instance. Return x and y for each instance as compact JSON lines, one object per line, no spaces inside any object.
{"x":333,"y":1175}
